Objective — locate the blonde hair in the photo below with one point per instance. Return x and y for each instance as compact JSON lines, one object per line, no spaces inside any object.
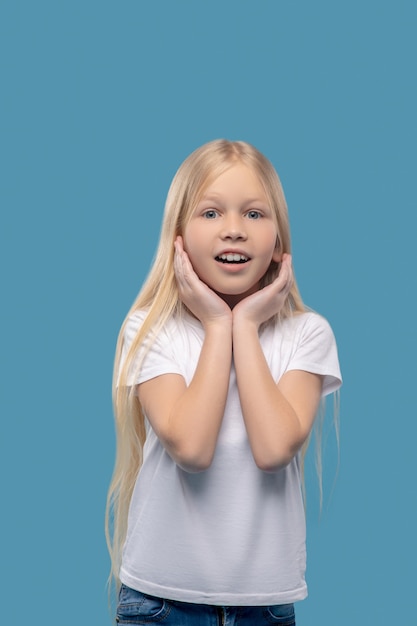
{"x":159,"y":298}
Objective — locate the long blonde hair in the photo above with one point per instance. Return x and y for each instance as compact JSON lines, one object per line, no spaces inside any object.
{"x":159,"y":298}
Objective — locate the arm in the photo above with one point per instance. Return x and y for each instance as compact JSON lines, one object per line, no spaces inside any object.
{"x":278,"y":417}
{"x":187,"y":420}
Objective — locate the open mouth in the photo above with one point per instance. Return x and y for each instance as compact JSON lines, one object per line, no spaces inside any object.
{"x":232,"y":258}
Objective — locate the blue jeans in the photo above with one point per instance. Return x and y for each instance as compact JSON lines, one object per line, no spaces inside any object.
{"x":136,"y":607}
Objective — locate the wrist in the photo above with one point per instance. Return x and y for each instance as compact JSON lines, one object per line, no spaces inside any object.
{"x":244,"y":325}
{"x":221,"y":325}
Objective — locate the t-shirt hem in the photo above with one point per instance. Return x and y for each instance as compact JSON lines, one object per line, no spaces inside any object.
{"x":218,"y":599}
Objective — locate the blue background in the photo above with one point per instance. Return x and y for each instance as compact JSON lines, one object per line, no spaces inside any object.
{"x":101,"y":101}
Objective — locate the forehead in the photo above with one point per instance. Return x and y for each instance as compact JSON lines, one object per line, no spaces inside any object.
{"x":238,"y":181}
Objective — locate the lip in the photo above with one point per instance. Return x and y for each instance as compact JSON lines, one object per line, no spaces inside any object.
{"x":233,"y":268}
{"x":233,"y":251}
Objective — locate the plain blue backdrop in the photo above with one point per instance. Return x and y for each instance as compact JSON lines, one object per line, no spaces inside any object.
{"x":100,"y":103}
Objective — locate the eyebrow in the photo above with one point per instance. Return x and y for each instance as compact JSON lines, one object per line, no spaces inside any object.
{"x":216,"y":197}
{"x":212,"y":196}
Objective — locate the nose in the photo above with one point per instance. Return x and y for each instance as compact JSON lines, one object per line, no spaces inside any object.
{"x":233,"y":229}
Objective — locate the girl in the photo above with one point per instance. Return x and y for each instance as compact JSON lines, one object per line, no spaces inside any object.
{"x":218,"y":377}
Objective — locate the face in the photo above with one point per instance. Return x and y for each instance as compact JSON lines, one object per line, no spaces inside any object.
{"x":231,"y":236}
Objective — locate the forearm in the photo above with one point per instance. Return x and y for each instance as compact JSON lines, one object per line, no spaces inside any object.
{"x":274,"y":430}
{"x":195,"y":417}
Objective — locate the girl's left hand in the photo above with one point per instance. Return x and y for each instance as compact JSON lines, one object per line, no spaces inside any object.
{"x":267,"y":302}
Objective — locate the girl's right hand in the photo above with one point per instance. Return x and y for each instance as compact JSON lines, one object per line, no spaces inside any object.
{"x":202,"y":301}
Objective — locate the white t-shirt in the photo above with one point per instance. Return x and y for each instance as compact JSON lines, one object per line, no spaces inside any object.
{"x":232,"y":534}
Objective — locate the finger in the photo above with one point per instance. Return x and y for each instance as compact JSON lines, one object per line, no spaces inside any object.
{"x":178,"y":266}
{"x":286,"y":287}
{"x":289,"y":274}
{"x":179,"y":243}
{"x":186,"y":277}
{"x":286,"y":273}
{"x":282,"y":280}
{"x":179,"y":250}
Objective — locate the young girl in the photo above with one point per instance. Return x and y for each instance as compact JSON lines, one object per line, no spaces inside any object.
{"x":218,"y":377}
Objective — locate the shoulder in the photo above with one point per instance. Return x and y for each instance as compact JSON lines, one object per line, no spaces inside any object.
{"x":304,"y":326}
{"x":314,"y":348}
{"x":311,"y":323}
{"x":302,"y":332}
{"x":313,"y":330}
{"x":151,"y":348}
{"x":133,"y":323}
{"x":159,"y":331}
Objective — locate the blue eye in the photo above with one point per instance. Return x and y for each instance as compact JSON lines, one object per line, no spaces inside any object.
{"x":254,"y":215}
{"x":210,"y":214}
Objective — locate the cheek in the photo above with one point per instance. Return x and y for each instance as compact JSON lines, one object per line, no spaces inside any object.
{"x":187,"y":239}
{"x":192,"y":247}
{"x":195,"y":241}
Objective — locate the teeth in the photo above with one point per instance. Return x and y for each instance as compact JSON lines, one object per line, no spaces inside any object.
{"x":233,"y":257}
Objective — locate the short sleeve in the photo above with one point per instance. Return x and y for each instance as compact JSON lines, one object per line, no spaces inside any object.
{"x":316,"y":352}
{"x":154,"y":358}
